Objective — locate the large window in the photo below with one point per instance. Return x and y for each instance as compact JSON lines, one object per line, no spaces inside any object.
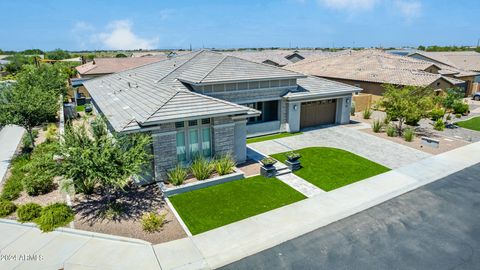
{"x":193,"y":138}
{"x":269,"y":111}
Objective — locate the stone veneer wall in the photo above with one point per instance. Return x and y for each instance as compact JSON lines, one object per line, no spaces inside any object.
{"x":223,"y":136}
{"x":164,"y":150}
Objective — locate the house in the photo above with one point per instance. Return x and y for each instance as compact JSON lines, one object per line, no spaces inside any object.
{"x":370,"y":69}
{"x":464,"y":65}
{"x":104,"y":66}
{"x":207,"y":103}
{"x":279,"y":58}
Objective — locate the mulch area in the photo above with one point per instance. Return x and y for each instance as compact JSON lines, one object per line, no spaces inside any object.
{"x":134,"y":202}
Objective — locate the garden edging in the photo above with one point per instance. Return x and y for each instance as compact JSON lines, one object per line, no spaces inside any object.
{"x":237,"y":175}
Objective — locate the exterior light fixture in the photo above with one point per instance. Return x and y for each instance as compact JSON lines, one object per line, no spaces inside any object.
{"x":295,"y":107}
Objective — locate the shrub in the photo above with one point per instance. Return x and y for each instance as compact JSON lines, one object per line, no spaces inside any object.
{"x":36,"y":184}
{"x":367,"y":113}
{"x":377,"y":126}
{"x":460,"y":107}
{"x":113,"y":210}
{"x":53,"y":216}
{"x":28,"y":212}
{"x":12,"y":188}
{"x":439,"y":125}
{"x":224,"y":165}
{"x":201,"y":168}
{"x":437,"y":113}
{"x":41,"y":169}
{"x":408,"y":134}
{"x":177,"y":175}
{"x":152,"y":222}
{"x":449,"y":117}
{"x":51,"y":132}
{"x":391,"y":131}
{"x":387,"y":120}
{"x":457,"y":115}
{"x":27,"y":141}
{"x":352,"y":109}
{"x":6,"y":208}
{"x":412,"y":120}
{"x":293,"y":155}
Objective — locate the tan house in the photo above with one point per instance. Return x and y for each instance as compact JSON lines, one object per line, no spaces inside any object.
{"x":461,"y":65}
{"x":370,"y":69}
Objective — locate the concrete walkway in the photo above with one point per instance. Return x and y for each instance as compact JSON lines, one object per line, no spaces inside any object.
{"x":10,"y":137}
{"x":385,"y":152}
{"x":300,"y":185}
{"x":232,"y":242}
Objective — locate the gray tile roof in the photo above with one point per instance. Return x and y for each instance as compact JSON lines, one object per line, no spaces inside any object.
{"x":155,"y":93}
{"x":311,"y":86}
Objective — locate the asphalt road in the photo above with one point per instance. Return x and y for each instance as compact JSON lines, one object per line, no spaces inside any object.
{"x":434,"y":227}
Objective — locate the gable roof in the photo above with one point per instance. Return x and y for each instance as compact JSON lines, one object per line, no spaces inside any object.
{"x":370,"y":66}
{"x":466,"y":60}
{"x":101,"y":66}
{"x":311,"y":87}
{"x":157,"y":92}
{"x":276,"y":57}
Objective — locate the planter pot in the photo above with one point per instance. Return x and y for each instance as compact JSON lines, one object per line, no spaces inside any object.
{"x":293,"y":159}
{"x":293,"y":165}
{"x":270,"y":171}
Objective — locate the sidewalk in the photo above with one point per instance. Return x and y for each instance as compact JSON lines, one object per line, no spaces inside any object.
{"x":232,"y":242}
{"x":10,"y":137}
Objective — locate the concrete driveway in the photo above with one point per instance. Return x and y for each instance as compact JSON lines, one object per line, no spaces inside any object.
{"x":387,"y":153}
{"x":434,"y":227}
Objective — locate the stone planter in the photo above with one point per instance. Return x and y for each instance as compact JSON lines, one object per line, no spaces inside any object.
{"x":269,"y":171}
{"x":293,"y":165}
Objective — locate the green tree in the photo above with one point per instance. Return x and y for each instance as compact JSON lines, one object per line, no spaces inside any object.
{"x":120,"y":55}
{"x":33,"y":99}
{"x":409,"y":102}
{"x":17,"y":62}
{"x":93,"y":157}
{"x":57,"y":54}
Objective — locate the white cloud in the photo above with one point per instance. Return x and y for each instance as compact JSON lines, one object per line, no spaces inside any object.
{"x":119,"y":35}
{"x":350,"y":5}
{"x":409,"y":9}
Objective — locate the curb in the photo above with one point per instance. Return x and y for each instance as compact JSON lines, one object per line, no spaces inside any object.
{"x":177,"y":216}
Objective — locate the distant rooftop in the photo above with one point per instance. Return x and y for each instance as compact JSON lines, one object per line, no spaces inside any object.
{"x":101,"y":66}
{"x":466,"y":60}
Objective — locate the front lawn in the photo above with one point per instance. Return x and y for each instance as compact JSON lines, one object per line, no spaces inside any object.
{"x":272,"y":137}
{"x":212,"y":207}
{"x":473,"y":123}
{"x":331,"y":168}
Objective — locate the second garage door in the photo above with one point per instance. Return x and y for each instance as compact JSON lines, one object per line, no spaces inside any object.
{"x":316,"y":113}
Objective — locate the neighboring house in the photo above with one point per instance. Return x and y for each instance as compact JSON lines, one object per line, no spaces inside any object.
{"x":104,"y":66}
{"x":277,"y":58}
{"x":465,"y":65}
{"x":371,"y":69}
{"x":208,"y":103}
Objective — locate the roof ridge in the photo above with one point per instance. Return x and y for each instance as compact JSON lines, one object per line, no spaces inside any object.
{"x":213,"y":68}
{"x":181,"y":65}
{"x":267,"y":65}
{"x":146,"y":119}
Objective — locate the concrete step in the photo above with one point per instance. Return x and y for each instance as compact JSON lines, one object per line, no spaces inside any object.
{"x":282,"y":171}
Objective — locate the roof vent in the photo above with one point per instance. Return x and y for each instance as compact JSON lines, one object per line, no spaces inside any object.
{"x":129,"y":86}
{"x":126,"y":107}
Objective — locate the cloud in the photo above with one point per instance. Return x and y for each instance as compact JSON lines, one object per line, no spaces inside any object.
{"x":119,"y":35}
{"x":409,"y":9}
{"x":350,"y":5}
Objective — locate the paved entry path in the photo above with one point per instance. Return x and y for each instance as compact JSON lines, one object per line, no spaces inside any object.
{"x":387,"y":153}
{"x":300,"y":185}
{"x":10,"y":137}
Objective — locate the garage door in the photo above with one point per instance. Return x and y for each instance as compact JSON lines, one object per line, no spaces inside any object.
{"x":316,"y":113}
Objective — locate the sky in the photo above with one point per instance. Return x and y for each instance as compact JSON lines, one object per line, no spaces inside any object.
{"x":142,"y":24}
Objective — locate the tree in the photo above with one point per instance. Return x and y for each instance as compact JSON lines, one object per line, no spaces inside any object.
{"x":17,"y":61}
{"x":421,"y":48}
{"x":33,"y":99}
{"x":93,"y":157}
{"x":120,"y":55}
{"x":57,"y":54}
{"x":450,"y":97}
{"x":409,"y":102}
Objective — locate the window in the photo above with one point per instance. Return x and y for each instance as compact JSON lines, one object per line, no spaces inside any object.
{"x":193,"y":140}
{"x":269,"y":111}
{"x":181,"y":153}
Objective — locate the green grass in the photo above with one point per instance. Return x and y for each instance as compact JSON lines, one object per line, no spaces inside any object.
{"x":473,"y":123}
{"x":331,"y":168}
{"x":80,"y":108}
{"x":272,"y":137}
{"x":212,"y":207}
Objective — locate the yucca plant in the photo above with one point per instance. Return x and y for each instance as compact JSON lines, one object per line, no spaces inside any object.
{"x":367,"y":113}
{"x":408,"y":134}
{"x":224,"y":164}
{"x":391,"y":131}
{"x":201,"y":168}
{"x":177,"y":175}
{"x":377,"y":126}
